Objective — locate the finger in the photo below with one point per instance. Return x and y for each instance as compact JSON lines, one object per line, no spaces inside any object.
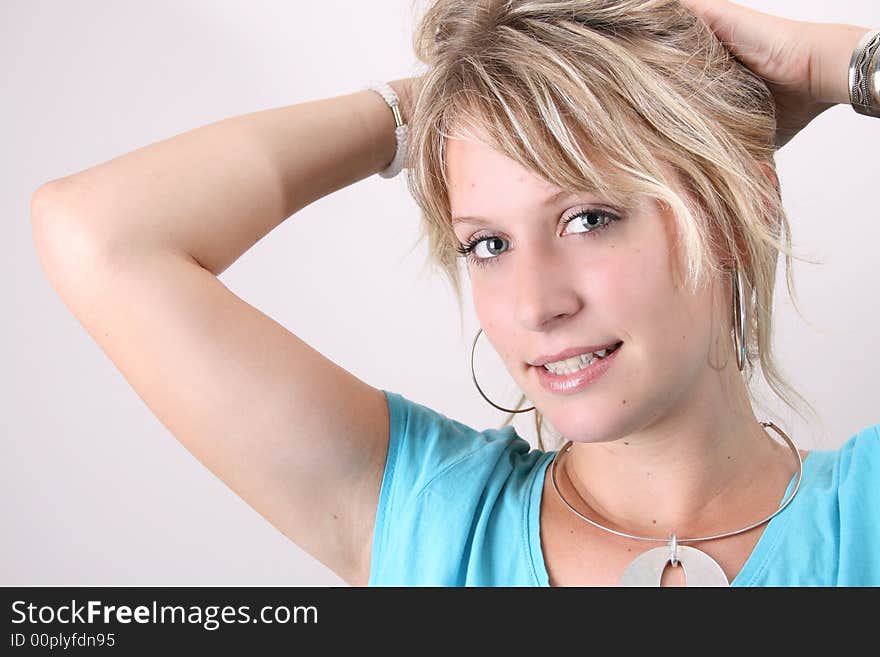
{"x":723,"y":15}
{"x":749,"y":33}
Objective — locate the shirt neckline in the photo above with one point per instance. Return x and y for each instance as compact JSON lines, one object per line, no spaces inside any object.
{"x":753,"y":566}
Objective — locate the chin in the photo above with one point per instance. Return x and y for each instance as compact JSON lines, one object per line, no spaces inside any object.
{"x":585,"y":426}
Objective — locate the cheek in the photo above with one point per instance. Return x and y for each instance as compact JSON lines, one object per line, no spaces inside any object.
{"x":493,"y":315}
{"x":485,"y":307}
{"x":646,"y":304}
{"x":490,"y":314}
{"x":679,"y":324}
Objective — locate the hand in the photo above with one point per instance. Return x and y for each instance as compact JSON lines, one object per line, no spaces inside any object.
{"x":805,"y":65}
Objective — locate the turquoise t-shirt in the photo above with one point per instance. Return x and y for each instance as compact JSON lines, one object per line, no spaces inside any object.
{"x":460,"y":507}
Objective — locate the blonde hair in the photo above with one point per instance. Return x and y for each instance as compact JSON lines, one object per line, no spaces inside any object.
{"x":600,"y":96}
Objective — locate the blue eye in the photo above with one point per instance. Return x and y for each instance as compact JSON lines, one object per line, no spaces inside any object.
{"x":591,"y":220}
{"x":493,"y":245}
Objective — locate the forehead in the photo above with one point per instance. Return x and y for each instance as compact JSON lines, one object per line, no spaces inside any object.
{"x":475,"y":170}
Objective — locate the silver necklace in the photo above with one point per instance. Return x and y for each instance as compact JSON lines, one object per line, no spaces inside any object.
{"x":700,"y":569}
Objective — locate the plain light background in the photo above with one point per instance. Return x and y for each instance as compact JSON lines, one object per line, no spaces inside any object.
{"x":94,"y":489}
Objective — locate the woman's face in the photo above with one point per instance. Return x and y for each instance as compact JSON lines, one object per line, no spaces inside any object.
{"x":544,"y":287}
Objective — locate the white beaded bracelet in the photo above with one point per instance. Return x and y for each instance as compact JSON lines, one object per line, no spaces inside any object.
{"x":400,"y":131}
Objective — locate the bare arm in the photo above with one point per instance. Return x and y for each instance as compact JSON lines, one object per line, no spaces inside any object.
{"x":215,"y":191}
{"x":133,"y":247}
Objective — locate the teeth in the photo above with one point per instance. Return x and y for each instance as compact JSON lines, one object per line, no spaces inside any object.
{"x":570,"y":365}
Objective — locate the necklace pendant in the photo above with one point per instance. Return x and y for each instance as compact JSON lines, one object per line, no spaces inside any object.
{"x":699,"y":568}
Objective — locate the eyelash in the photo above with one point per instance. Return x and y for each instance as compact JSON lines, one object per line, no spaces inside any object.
{"x":467,"y":250}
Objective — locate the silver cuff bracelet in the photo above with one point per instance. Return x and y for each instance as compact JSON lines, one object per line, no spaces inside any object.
{"x":864,"y":75}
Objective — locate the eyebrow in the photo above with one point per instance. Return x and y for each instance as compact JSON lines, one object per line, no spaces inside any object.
{"x":550,"y":200}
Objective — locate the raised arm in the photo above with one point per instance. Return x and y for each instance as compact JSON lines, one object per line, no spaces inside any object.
{"x":133,"y":247}
{"x":215,"y":191}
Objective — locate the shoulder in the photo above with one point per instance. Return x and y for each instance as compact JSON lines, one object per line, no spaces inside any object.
{"x":830,"y":535}
{"x":858,"y":459}
{"x":847,"y":511}
{"x":426,"y":445}
{"x":850,"y":473}
{"x":452,"y":500}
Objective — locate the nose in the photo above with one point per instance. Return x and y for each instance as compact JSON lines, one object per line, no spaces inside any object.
{"x":545,"y":287}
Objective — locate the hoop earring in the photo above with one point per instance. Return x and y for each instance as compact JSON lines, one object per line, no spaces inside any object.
{"x":480,"y":390}
{"x":739,"y":319}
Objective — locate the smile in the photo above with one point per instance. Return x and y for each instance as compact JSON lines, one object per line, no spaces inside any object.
{"x":575,"y":374}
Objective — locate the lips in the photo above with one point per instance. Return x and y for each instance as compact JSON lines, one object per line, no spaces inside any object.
{"x":568,"y":353}
{"x":569,"y":384}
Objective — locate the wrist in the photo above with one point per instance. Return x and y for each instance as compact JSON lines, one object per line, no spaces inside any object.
{"x":379,"y":120}
{"x":401,"y":88}
{"x":393,"y":100}
{"x":831,"y":62}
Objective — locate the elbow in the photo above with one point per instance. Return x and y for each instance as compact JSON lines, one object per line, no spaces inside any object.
{"x":43,"y":204}
{"x":47,"y":210}
{"x":60,"y":240}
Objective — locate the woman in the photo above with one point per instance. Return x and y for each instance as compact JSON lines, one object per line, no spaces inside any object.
{"x":625,"y":122}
